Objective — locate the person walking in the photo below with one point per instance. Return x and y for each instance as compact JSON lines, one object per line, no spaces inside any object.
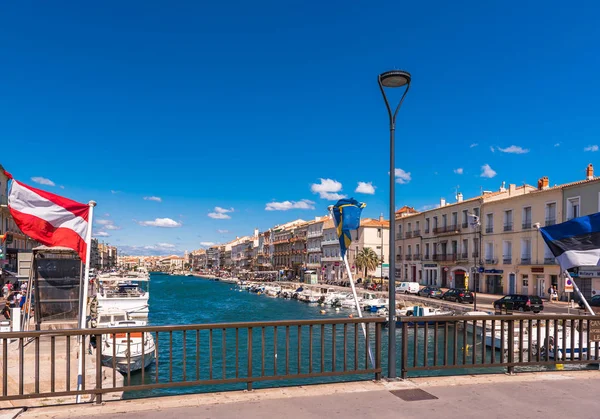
{"x":550,"y":292}
{"x":554,"y":293}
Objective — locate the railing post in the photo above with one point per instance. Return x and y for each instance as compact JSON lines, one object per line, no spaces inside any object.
{"x":378,"y":351}
{"x":99,"y":368}
{"x":249,"y":384}
{"x":404,"y":372}
{"x":511,"y":346}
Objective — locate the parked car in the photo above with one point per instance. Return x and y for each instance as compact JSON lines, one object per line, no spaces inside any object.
{"x":458,"y":295}
{"x":520,"y":302}
{"x":431,"y":292}
{"x":408,"y":287}
{"x":593,"y":302}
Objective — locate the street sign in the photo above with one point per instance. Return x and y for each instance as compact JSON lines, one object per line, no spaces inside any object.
{"x":594,"y":332}
{"x":466,"y":281}
{"x":568,"y":285}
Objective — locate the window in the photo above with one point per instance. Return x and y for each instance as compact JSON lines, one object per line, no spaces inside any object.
{"x":400,"y":250}
{"x":435,"y":222}
{"x":465,"y":248}
{"x":476,"y":211}
{"x":409,"y":250}
{"x":489,"y":224}
{"x":526,"y":218}
{"x":427,"y":220}
{"x":526,"y":250}
{"x":508,"y":220}
{"x":417,"y":249}
{"x":551,"y":213}
{"x":465,"y":218}
{"x":489,"y":252}
{"x":417,"y":227}
{"x":399,"y":230}
{"x":454,"y":245}
{"x":507,"y":251}
{"x":572,"y":208}
{"x":426,"y":250}
{"x":409,"y":228}
{"x":444,"y":220}
{"x":378,"y":233}
{"x":454,"y":218}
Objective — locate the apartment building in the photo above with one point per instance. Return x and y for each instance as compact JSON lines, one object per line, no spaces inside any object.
{"x":298,"y":242}
{"x":314,"y":245}
{"x":331,"y":261}
{"x":374,"y":234}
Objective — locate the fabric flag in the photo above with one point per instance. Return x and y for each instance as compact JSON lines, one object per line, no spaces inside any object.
{"x":346,"y":214}
{"x":575,"y":242}
{"x":48,"y":218}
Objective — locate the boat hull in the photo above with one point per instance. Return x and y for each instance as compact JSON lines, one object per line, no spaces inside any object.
{"x":121,"y":364}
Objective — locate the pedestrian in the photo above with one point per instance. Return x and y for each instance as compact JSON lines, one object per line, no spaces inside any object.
{"x":6,"y":312}
{"x":555,"y":293}
{"x":550,"y":291}
{"x":5,"y":291}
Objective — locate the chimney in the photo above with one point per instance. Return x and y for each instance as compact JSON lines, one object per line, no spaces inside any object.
{"x":543,"y":183}
{"x":442,"y":202}
{"x":512,"y":189}
{"x":503,"y":187}
{"x":589,"y":172}
{"x":381,"y":218}
{"x":256,"y":232}
{"x":459,"y":197}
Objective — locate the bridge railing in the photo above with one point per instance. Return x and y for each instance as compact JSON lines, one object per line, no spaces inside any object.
{"x":43,"y":364}
{"x":484,"y":342}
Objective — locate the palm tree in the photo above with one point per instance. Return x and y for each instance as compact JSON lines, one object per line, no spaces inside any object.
{"x":367,"y":259}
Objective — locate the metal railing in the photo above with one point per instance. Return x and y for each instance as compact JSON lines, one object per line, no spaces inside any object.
{"x":192,"y":355}
{"x":508,"y":226}
{"x":550,"y":221}
{"x":526,"y":225}
{"x":506,"y":341}
{"x":489,"y":229}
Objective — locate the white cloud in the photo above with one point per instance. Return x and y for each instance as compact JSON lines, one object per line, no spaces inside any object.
{"x":458,"y":171}
{"x":220,"y":213}
{"x":107,"y":224}
{"x":112,"y":227}
{"x":223,"y":231}
{"x":288,"y":205}
{"x":153,"y":198}
{"x":114,"y":192}
{"x":166,"y":245}
{"x":402,"y":177}
{"x":492,"y":149}
{"x":160,"y":222}
{"x":328,"y":189}
{"x":103,"y":222}
{"x":43,"y":181}
{"x":106,"y":214}
{"x":62,"y":187}
{"x":207,"y":244}
{"x":487,"y":171}
{"x":557,"y":145}
{"x":514,"y":149}
{"x":101,"y":234}
{"x":428,"y":207}
{"x":591,"y":148}
{"x":366,"y":188}
{"x":473,"y":145}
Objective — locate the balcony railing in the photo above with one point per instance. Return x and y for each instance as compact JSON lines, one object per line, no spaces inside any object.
{"x":489,"y":229}
{"x":408,"y":257}
{"x":408,"y":234}
{"x":398,"y":258}
{"x":526,"y":225}
{"x":490,"y":261}
{"x":438,"y":230}
{"x":426,"y":256}
{"x":451,"y":228}
{"x":475,"y":254}
{"x":399,"y":236}
{"x":549,"y":260}
{"x":439,"y":257}
{"x":526,"y":260}
{"x":417,"y":257}
{"x":550,"y":221}
{"x":416,"y":233}
{"x":508,"y":227}
{"x":451,"y":257}
{"x":464,"y":255}
{"x":507,"y":260}
{"x":426,"y":231}
{"x":465,"y":225}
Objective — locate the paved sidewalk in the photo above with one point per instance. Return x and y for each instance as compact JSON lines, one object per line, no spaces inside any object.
{"x":534,"y":395}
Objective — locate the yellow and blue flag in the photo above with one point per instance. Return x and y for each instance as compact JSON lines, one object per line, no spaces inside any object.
{"x":346,"y":215}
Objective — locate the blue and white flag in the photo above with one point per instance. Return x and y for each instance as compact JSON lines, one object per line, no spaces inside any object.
{"x":575,"y":242}
{"x":346,"y":216}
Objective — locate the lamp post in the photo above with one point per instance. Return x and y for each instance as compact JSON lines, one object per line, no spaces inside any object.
{"x":392,"y":79}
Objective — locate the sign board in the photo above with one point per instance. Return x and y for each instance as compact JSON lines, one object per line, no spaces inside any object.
{"x":589,"y":274}
{"x":430,"y":265}
{"x":537,"y":270}
{"x":466,"y":281}
{"x":494,"y":271}
{"x":446,"y":269}
{"x":568,"y":284}
{"x":481,"y":269}
{"x":594,"y":332}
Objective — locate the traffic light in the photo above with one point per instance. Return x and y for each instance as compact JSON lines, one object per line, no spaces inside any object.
{"x":7,"y":238}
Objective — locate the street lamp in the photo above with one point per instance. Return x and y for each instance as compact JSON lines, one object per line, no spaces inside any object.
{"x":392,"y":79}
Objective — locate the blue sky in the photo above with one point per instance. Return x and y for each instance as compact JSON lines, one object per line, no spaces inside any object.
{"x":241,"y":104}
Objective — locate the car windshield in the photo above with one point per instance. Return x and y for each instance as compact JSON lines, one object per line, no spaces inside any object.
{"x":535,"y":299}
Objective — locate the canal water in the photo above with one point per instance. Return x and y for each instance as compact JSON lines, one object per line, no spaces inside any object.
{"x":181,"y":300}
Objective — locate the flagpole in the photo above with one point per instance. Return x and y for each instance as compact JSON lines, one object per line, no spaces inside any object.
{"x":83,"y":305}
{"x":576,"y":288}
{"x":347,"y":265}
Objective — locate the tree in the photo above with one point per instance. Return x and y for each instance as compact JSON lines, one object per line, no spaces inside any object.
{"x":367,"y":260}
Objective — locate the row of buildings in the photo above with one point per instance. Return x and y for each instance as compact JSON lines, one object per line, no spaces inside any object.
{"x":294,"y":248}
{"x":491,"y":242}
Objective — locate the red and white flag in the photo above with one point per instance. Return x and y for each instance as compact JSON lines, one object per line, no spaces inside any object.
{"x":48,"y":218}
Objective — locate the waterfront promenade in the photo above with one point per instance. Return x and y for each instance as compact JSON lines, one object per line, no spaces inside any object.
{"x":526,"y":395}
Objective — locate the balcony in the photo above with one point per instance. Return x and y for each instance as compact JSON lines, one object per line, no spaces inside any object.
{"x":439,"y":257}
{"x":452,"y":228}
{"x":507,"y":260}
{"x":314,"y":249}
{"x":550,"y":221}
{"x":438,"y":230}
{"x":490,"y":261}
{"x":408,"y":234}
{"x":451,"y":257}
{"x":465,"y":225}
{"x":416,"y":233}
{"x":489,"y":229}
{"x":399,"y":236}
{"x":464,"y":256}
{"x":549,"y":260}
{"x":426,"y":231}
{"x":508,"y":227}
{"x":416,"y":257}
{"x":526,"y":225}
{"x":398,"y":258}
{"x":408,"y":257}
{"x":526,"y":260}
{"x":313,"y":265}
{"x":475,"y":254}
{"x":426,"y":257}
{"x":331,"y":259}
{"x":328,"y":242}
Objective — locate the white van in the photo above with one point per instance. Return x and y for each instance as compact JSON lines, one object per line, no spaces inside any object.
{"x":408,"y":287}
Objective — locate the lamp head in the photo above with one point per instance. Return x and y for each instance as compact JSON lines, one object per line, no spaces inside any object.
{"x":394,"y":78}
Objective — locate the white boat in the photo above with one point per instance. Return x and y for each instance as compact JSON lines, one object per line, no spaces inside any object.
{"x":131,"y":354}
{"x":272,"y":290}
{"x":124,"y":293}
{"x":310,"y":296}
